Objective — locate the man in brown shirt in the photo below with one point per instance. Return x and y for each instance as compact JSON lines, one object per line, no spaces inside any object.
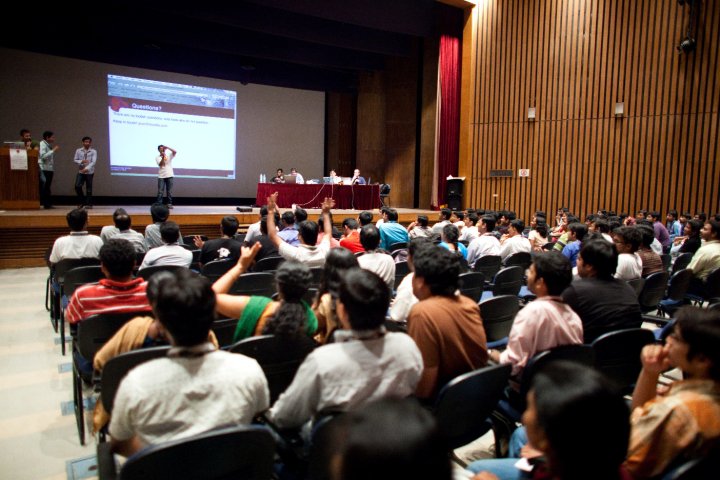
{"x":651,"y":261}
{"x":446,"y":326}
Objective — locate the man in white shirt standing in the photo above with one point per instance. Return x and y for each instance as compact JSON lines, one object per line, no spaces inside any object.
{"x":165,"y":174}
{"x":85,"y":157}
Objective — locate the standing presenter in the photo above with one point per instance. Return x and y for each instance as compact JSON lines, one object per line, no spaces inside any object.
{"x":85,"y":158}
{"x":165,"y":174}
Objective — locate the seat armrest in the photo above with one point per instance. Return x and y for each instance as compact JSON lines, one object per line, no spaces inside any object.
{"x":107,"y":470}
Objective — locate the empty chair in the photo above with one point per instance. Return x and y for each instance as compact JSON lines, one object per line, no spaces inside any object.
{"x":267,"y":264}
{"x":519,"y":259}
{"x":665,"y":257}
{"x":653,"y":291}
{"x":217,"y":268}
{"x":245,"y":451}
{"x":617,"y":355}
{"x":385,"y":194}
{"x":708,"y":290}
{"x":57,"y":279}
{"x":682,"y":261}
{"x":148,"y":272}
{"x":497,"y":315}
{"x":488,"y":265}
{"x":637,"y":285}
{"x":472,"y":285}
{"x":676,"y":290}
{"x":261,"y":284}
{"x":278,"y":355}
{"x":507,"y":282}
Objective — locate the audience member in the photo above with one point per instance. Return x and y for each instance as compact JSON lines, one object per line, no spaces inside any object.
{"x":419,"y":228}
{"x":338,"y":262}
{"x":109,"y":231}
{"x":486,"y":243}
{"x":627,"y":241}
{"x":659,"y":230}
{"x":707,"y":257}
{"x":673,"y":225}
{"x":170,"y":252}
{"x":376,"y":260}
{"x":195,"y":388}
{"x":288,"y":232}
{"x":123,"y":222}
{"x":691,"y":241}
{"x":404,"y":297}
{"x":445,"y":325}
{"x":443,"y":219}
{"x":79,"y":244}
{"x":391,"y":231}
{"x":470,"y":230}
{"x":159,"y":214}
{"x":538,"y":235}
{"x":351,"y":236}
{"x":254,"y":228}
{"x":225,"y":247}
{"x":514,"y":242}
{"x":365,"y":218}
{"x":603,"y":302}
{"x":651,"y":261}
{"x":365,"y":363}
{"x":577,"y":232}
{"x":450,"y":240}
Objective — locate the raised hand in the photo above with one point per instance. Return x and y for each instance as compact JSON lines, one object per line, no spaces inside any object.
{"x":247,"y":255}
{"x":328,"y":204}
{"x":272,"y":202}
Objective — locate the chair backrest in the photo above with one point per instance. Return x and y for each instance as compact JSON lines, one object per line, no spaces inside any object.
{"x":148,"y":272}
{"x":617,"y":354}
{"x":117,"y":367}
{"x":94,"y":331}
{"x":679,"y":284}
{"x":63,"y":266}
{"x":224,"y":330}
{"x":397,"y":246}
{"x":637,"y":285}
{"x":472,"y":285}
{"x":519,"y":259}
{"x":385,"y":189}
{"x":278,"y":356}
{"x":401,"y":270}
{"x":508,"y":281}
{"x":548,"y":246}
{"x":582,"y":354}
{"x":81,"y":276}
{"x":268,"y":264}
{"x":463,"y":405}
{"x":190,"y":240}
{"x":244,"y":451}
{"x":498,"y":314}
{"x":653,"y":291}
{"x":261,"y":283}
{"x":488,"y":265}
{"x":665,"y":257}
{"x":317,"y":273}
{"x":682,"y":261}
{"x":712,"y":285}
{"x":217,"y":268}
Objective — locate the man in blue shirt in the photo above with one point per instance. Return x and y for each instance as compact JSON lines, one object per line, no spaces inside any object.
{"x":391,"y":231}
{"x":576,"y":234}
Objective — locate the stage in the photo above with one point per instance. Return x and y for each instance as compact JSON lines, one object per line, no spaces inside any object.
{"x":26,"y":235}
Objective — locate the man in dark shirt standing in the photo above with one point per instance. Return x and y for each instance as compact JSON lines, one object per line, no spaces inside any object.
{"x":603,"y":302}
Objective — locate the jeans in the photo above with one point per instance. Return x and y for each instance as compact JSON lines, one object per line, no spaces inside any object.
{"x":505,"y":468}
{"x":45,"y":193}
{"x":87,"y":179}
{"x":168,"y":184}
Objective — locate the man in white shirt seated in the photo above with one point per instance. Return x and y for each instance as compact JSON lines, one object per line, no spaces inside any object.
{"x":364,"y":364}
{"x":627,"y":241}
{"x":170,"y":252}
{"x":514,"y":242}
{"x":195,"y":388}
{"x":486,"y":243}
{"x":376,"y":260}
{"x":79,"y":244}
{"x":470,"y":231}
{"x":122,"y":230}
{"x":298,"y":178}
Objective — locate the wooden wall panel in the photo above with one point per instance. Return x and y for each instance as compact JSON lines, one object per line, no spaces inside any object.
{"x":573,"y":60}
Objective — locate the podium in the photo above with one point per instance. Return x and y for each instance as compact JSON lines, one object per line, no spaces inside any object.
{"x":454,"y":192}
{"x":19,"y":189}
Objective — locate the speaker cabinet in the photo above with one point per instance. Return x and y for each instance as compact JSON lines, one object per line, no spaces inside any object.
{"x":455,"y":193}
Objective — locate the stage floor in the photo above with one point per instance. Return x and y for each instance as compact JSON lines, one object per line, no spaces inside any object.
{"x":25,"y":235}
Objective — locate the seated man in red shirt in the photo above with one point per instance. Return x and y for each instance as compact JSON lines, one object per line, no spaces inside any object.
{"x":117,"y":292}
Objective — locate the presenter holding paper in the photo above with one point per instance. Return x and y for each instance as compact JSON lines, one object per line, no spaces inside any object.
{"x":165,"y":174}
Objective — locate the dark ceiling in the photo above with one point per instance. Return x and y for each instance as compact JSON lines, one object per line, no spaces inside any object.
{"x":311,"y":44}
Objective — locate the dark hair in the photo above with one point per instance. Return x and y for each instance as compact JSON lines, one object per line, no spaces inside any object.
{"x":159,"y":147}
{"x":700,"y":329}
{"x":169,"y":232}
{"x":446,"y":213}
{"x":422,"y":220}
{"x":118,"y":257}
{"x":714,"y":227}
{"x":118,"y":212}
{"x":263,"y":210}
{"x":366,"y":298}
{"x":687,"y":215}
{"x":418,"y":243}
{"x":411,"y":444}
{"x":655,"y":214}
{"x":590,"y":218}
{"x":263,"y":222}
{"x":365,"y":218}
{"x":460,"y":215}
{"x":229,"y":225}
{"x":489,"y":221}
{"x":153,"y":285}
{"x":601,"y":255}
{"x":695,"y":227}
{"x":47,"y":134}
{"x":439,"y":268}
{"x":392,"y":215}
{"x":24,"y":131}
{"x":337,"y":263}
{"x":585,"y":419}
{"x":647,"y":234}
{"x":308,"y":232}
{"x":555,"y":269}
{"x":159,"y":212}
{"x":185,"y":306}
{"x":369,"y":237}
{"x":351,"y":223}
{"x":602,"y":226}
{"x":123,"y":222}
{"x":673,"y":213}
{"x":451,"y":234}
{"x":86,"y":138}
{"x":579,"y":229}
{"x":702,"y":216}
{"x":300,"y":214}
{"x":293,"y":279}
{"x":288,"y":217}
{"x":518,"y":225}
{"x":630,"y":236}
{"x":77,"y":219}
{"x":542,"y":229}
{"x":473,"y":217}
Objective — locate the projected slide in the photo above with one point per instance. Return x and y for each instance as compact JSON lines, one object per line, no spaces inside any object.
{"x":196,"y":121}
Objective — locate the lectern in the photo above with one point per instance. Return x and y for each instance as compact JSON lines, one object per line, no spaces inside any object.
{"x":19,"y":189}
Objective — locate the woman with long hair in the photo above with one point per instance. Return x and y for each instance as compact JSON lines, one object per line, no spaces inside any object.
{"x":338,"y":262}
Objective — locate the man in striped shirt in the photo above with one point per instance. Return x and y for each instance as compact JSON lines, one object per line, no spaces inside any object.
{"x":117,"y":292}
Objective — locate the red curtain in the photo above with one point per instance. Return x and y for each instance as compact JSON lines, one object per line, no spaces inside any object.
{"x":450,"y":64}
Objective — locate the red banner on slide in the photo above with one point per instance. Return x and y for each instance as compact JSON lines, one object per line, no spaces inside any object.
{"x":151,"y":106}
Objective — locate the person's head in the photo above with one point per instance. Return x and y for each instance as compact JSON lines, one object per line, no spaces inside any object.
{"x":672,"y":215}
{"x":123,"y":222}
{"x":647,"y":234}
{"x":601,"y":226}
{"x":542,"y":229}
{"x":288,"y":218}
{"x":279,"y":172}
{"x":487,"y":223}
{"x":589,"y":219}
{"x":48,"y":136}
{"x":549,"y":274}
{"x":263,"y":223}
{"x":437,"y":272}
{"x":653,"y":216}
{"x":229,"y":226}
{"x":369,"y":237}
{"x":363,"y":301}
{"x":414,"y":246}
{"x":450,"y":234}
{"x":627,"y":239}
{"x":293,"y":171}
{"x":392,"y":215}
{"x":422,"y":220}
{"x":640,"y":215}
{"x":308,"y":232}
{"x":77,"y":219}
{"x":460,"y":216}
{"x":516,"y":227}
{"x":159,"y":212}
{"x":685,"y":216}
{"x":389,"y":439}
{"x":694,"y":345}
{"x":597,"y":258}
{"x":349,"y":225}
{"x":290,"y":318}
{"x":25,"y":135}
{"x":86,"y":141}
{"x":577,"y":417}
{"x":365,"y":218}
{"x":117,"y":259}
{"x":185,"y":307}
{"x":332,"y":173}
{"x":161,"y":149}
{"x":710,"y":231}
{"x":471,"y":219}
{"x":702,"y":216}
{"x":692,"y":228}
{"x":445,"y":214}
{"x":118,"y":212}
{"x":577,"y":231}
{"x":300,"y":214}
{"x":356,"y":172}
{"x":337,"y":264}
{"x":169,"y":232}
